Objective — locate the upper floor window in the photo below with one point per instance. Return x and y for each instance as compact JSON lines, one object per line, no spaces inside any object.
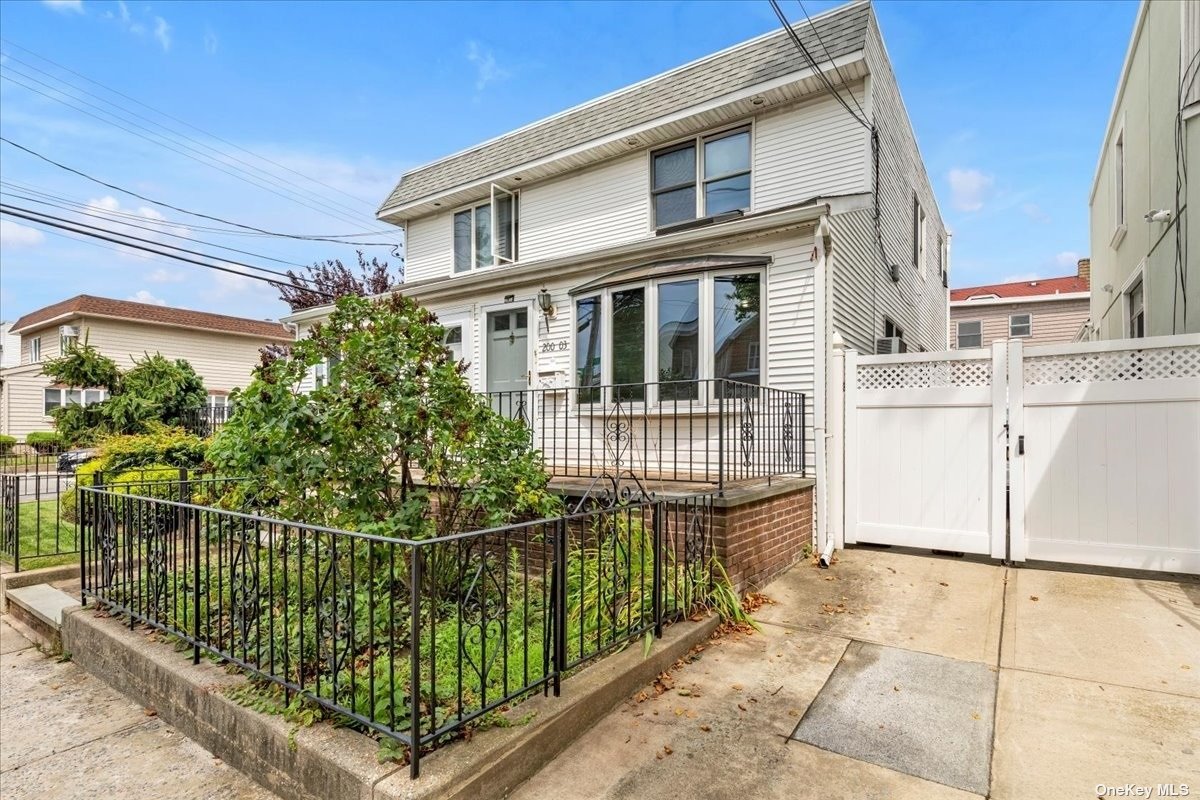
{"x":970,"y":333}
{"x":486,"y":234}
{"x":702,"y":177}
{"x":66,"y":341}
{"x":35,"y":350}
{"x":1135,"y":304}
{"x":891,"y":329}
{"x":1020,"y":325}
{"x":1119,"y":177}
{"x":918,"y":246}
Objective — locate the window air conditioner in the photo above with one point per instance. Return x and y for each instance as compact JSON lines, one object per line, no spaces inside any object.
{"x":886,"y":345}
{"x":68,"y":330}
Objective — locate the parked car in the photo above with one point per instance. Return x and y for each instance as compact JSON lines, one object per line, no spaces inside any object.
{"x":71,"y":460}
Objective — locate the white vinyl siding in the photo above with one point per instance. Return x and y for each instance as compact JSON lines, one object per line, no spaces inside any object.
{"x":809,"y":150}
{"x":429,"y":247}
{"x":589,"y":210}
{"x":1052,"y":322}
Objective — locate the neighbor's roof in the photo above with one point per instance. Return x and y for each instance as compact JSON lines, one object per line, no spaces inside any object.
{"x":86,"y":304}
{"x":1042,"y":286}
{"x":842,"y":31}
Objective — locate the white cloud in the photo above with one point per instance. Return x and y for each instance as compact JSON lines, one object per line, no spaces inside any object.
{"x":969,"y":188}
{"x":143,"y":296}
{"x":162,"y":32}
{"x":1035,"y":213}
{"x":210,"y":42}
{"x":129,"y":222}
{"x":1067,"y":258}
{"x":14,"y":235}
{"x":65,"y":6}
{"x":164,"y":275}
{"x":487,"y":70}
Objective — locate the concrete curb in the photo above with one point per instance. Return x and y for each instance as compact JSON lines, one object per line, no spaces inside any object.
{"x":16,"y":580}
{"x":323,"y":761}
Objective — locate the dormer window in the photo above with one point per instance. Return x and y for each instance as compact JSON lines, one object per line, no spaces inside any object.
{"x":702,"y":177}
{"x":486,"y":234}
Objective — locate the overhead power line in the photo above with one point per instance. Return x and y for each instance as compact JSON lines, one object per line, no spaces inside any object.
{"x":829,"y":56}
{"x":819,"y":73}
{"x":201,"y":215}
{"x":35,"y":217}
{"x":165,"y":115}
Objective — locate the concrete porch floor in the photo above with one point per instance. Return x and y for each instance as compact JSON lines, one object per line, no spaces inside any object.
{"x":895,"y":675}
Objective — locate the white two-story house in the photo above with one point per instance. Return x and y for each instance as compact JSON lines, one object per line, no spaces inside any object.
{"x":664,"y":247}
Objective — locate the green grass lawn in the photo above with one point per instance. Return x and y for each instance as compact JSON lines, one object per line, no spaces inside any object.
{"x":46,"y":541}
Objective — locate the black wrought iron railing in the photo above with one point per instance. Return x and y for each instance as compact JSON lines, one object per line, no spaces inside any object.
{"x":410,"y":639}
{"x":206,"y":421}
{"x":712,"y":431}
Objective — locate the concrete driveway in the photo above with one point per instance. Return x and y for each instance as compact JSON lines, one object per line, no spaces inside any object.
{"x":894,"y":675}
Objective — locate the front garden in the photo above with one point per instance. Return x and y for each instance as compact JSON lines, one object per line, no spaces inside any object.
{"x":396,"y":559}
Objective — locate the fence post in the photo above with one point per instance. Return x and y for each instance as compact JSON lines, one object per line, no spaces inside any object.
{"x":414,"y":692}
{"x":81,"y":527}
{"x":720,"y":438}
{"x":559,"y":581}
{"x":657,"y":579}
{"x":16,"y":521}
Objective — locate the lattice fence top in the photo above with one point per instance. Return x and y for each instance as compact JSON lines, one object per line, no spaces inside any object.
{"x":1119,"y":365}
{"x":925,"y":374}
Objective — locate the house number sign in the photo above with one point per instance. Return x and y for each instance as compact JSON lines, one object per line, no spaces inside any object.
{"x":555,"y":346}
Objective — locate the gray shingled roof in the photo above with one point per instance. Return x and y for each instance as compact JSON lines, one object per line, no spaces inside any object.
{"x":843,"y":31}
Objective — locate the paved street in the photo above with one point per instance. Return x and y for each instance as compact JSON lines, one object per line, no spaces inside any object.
{"x":905,"y":676}
{"x":64,"y":734}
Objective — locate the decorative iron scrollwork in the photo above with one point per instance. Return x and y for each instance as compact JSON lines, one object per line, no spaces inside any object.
{"x":747,"y":432}
{"x":244,"y":587}
{"x":335,"y":619}
{"x":10,"y":488}
{"x":482,"y":606}
{"x":156,"y":566}
{"x":789,"y":432}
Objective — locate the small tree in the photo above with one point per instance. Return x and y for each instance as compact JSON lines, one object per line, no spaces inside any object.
{"x":395,"y":443}
{"x":155,"y":390}
{"x":326,"y":281}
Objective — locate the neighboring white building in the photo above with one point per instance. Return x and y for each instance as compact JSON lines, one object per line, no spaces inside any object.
{"x":1145,"y":255}
{"x":716,"y":221}
{"x":10,"y":346}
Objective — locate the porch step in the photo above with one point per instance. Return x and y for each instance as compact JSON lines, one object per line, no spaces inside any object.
{"x":40,"y":610}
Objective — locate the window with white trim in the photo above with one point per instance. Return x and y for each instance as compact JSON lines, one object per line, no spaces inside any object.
{"x":486,"y":234}
{"x":453,"y":340}
{"x":57,"y":397}
{"x":65,"y":343}
{"x":1119,"y":178}
{"x":970,"y":334}
{"x":702,"y":177}
{"x":918,"y":244}
{"x":1135,"y":306}
{"x":35,"y":350}
{"x":1020,"y":326}
{"x":669,"y":333}
{"x":891,"y":329}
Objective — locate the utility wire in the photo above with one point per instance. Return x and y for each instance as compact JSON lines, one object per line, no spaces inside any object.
{"x":132,"y":193}
{"x":152,"y":230}
{"x":73,"y":227}
{"x":200,"y":157}
{"x":183,"y":122}
{"x":819,"y":73}
{"x":829,"y":56}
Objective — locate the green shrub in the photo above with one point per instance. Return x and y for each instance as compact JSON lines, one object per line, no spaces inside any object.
{"x":6,"y":444}
{"x":160,"y":446}
{"x":44,"y":441}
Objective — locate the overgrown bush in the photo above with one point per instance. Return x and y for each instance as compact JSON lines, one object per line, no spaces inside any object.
{"x":6,"y":444}
{"x":44,"y":441}
{"x":396,"y":443}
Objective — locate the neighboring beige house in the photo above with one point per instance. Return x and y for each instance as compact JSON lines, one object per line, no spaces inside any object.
{"x":1145,"y":255}
{"x":222,"y":349}
{"x":1042,"y":311}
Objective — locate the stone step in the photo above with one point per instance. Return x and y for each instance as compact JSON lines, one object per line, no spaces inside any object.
{"x":40,"y":609}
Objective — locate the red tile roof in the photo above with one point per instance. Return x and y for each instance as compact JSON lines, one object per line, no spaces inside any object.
{"x":1035,"y":288}
{"x":88,"y":305}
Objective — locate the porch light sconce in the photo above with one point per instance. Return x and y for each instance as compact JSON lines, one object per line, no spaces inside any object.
{"x":546,"y":303}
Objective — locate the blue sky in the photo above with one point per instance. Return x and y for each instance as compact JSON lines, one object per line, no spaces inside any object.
{"x":1008,"y":100}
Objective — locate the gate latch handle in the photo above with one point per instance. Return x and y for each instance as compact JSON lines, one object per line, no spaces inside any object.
{"x":1021,"y":445}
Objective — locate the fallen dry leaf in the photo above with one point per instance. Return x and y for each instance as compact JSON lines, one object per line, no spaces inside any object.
{"x":667,"y":749}
{"x":149,"y":712}
{"x":942,"y":583}
{"x":705,"y":728}
{"x":1033,"y":597}
{"x":742,"y":707}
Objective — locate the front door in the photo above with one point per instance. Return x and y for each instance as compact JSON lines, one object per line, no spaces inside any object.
{"x":508,"y":360}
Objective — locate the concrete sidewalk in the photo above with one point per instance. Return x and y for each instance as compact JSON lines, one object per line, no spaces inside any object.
{"x":64,"y":734}
{"x":907,"y":676}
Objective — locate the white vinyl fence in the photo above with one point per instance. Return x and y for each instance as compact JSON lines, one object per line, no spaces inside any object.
{"x":1084,"y":453}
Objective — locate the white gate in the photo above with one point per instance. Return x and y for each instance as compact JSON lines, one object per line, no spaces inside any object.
{"x":1106,"y":460}
{"x":1097,"y":444}
{"x":925,"y":450}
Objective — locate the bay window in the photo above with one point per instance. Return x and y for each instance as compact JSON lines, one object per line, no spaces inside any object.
{"x":670,"y":334}
{"x":702,"y":177}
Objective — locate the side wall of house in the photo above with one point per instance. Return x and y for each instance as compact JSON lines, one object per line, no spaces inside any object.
{"x":1053,"y":322}
{"x":863,"y":291}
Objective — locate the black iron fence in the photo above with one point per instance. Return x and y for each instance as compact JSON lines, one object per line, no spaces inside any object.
{"x":206,"y":421}
{"x":410,"y":639}
{"x":712,"y":431}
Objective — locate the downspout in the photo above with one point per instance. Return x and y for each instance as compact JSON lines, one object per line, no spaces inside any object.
{"x":822,"y":255}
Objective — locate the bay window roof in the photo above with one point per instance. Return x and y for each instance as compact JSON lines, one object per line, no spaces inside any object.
{"x":668,"y":267}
